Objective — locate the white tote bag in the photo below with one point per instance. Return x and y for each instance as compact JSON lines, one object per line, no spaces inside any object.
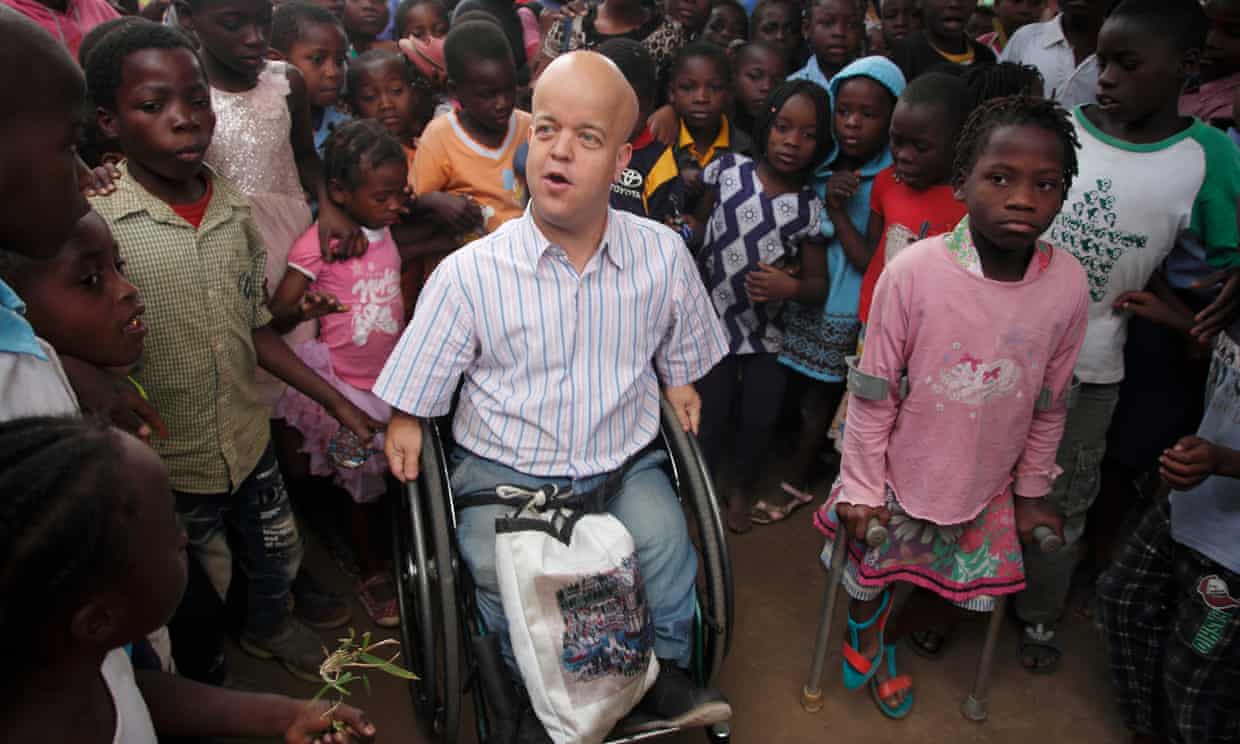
{"x":577,"y":613}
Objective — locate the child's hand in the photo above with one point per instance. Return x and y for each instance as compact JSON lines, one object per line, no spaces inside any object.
{"x":1188,"y":463}
{"x":459,"y":213}
{"x":311,"y":725}
{"x":340,"y":237}
{"x":665,"y":125}
{"x":355,"y":420}
{"x":317,"y":304}
{"x":841,"y":187}
{"x":1225,"y":309}
{"x":1032,"y":513}
{"x":856,"y":518}
{"x":767,"y":284}
{"x":1149,"y":306}
{"x":114,"y":397}
{"x":99,"y":181}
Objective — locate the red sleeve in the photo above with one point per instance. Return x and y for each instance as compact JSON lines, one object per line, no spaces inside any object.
{"x":878,"y":192}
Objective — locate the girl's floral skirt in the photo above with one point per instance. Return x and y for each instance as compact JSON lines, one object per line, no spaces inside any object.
{"x":967,"y":564}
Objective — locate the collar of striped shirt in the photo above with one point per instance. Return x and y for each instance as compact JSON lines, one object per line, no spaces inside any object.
{"x":613,"y":247}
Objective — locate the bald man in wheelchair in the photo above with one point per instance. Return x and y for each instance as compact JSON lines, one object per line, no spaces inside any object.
{"x":565,"y":324}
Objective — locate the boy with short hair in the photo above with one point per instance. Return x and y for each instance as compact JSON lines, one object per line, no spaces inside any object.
{"x":39,"y":200}
{"x":1148,"y":178}
{"x":194,"y":253}
{"x":463,"y":169}
{"x":311,"y":39}
{"x":1218,"y":83}
{"x":1063,"y":51}
{"x":940,"y":40}
{"x":650,"y":184}
{"x":835,"y":31}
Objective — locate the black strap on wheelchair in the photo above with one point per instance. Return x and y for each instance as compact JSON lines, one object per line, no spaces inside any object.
{"x":560,"y":527}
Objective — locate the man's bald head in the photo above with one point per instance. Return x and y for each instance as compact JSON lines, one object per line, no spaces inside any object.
{"x":34,"y":67}
{"x":596,"y":84}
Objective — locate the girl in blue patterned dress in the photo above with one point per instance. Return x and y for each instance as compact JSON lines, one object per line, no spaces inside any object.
{"x":760,"y":243}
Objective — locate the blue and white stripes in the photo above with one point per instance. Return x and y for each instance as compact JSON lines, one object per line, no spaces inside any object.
{"x":558,"y":367}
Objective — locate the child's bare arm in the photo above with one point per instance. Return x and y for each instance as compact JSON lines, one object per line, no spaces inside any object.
{"x":339,"y":234}
{"x":277,"y":358}
{"x":412,"y":244}
{"x":182,"y":707}
{"x":294,"y":303}
{"x":697,"y":221}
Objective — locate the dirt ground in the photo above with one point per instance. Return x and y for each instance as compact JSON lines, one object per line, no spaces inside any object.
{"x":779,"y":591}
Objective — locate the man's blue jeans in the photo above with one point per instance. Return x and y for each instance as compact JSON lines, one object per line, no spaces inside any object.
{"x":645,"y":503}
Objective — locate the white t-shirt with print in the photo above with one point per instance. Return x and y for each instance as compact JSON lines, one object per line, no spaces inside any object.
{"x":1126,"y":209}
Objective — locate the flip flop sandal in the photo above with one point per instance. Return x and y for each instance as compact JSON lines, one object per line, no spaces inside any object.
{"x":799,"y":497}
{"x":896,"y":684}
{"x":763,"y":512}
{"x":928,"y":644}
{"x":383,"y":612}
{"x":859,"y":669}
{"x":1038,"y":642}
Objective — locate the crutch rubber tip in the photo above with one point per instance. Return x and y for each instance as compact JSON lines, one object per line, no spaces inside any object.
{"x":973,"y":709}
{"x":1046,"y":538}
{"x":811,"y":700}
{"x":875,"y":534}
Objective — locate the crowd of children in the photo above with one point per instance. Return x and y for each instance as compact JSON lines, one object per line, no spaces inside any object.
{"x":983,"y":258}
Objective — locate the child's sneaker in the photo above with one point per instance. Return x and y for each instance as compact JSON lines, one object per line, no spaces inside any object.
{"x":296,"y":647}
{"x":316,"y":606}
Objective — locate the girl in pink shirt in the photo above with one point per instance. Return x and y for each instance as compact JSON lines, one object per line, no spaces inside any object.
{"x":959,"y":398}
{"x":360,"y":312}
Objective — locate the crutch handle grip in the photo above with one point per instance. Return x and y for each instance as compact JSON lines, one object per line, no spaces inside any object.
{"x":1046,"y":538}
{"x":875,"y":533}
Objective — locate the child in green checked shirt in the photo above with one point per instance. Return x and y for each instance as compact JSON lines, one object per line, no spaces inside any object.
{"x":195,"y":255}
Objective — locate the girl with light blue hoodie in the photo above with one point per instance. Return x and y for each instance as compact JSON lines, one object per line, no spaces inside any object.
{"x":817,"y":339}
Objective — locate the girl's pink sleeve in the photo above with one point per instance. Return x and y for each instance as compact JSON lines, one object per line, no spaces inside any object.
{"x":863,"y":470}
{"x":1036,"y":470}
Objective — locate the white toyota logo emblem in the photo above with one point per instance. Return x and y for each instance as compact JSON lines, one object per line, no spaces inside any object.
{"x":630,"y":179}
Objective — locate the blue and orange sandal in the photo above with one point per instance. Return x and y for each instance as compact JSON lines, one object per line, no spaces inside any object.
{"x":859,"y":669}
{"x":898,"y":683}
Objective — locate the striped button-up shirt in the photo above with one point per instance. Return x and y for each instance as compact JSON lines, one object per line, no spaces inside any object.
{"x":560,"y":367}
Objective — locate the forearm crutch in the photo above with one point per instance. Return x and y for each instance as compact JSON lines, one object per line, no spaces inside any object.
{"x":974,"y":706}
{"x":875,"y":536}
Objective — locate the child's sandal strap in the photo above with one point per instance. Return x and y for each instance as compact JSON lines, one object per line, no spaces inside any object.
{"x":859,"y":661}
{"x":894,"y":686}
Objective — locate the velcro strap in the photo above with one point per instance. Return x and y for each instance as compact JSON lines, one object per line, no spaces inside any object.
{"x":872,"y":387}
{"x":894,"y":686}
{"x":1046,"y":398}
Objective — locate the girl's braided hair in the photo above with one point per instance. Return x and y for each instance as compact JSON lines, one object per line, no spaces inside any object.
{"x":987,"y":82}
{"x":63,"y":520}
{"x":360,"y":144}
{"x":1015,"y":111}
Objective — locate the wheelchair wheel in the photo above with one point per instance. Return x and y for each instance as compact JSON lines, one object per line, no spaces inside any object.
{"x":426,"y":567}
{"x":697,"y":492}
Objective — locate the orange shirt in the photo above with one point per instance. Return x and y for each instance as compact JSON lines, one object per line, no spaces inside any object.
{"x":448,"y":159}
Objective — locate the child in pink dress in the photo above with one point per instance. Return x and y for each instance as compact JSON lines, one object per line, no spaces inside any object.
{"x":959,"y":399}
{"x":358,"y":305}
{"x":357,"y":301}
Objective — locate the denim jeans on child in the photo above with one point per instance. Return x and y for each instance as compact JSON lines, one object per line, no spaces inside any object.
{"x":645,"y":503}
{"x":258,"y":519}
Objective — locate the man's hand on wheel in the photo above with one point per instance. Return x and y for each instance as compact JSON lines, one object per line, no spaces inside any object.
{"x":687,"y":404}
{"x":403,"y":446}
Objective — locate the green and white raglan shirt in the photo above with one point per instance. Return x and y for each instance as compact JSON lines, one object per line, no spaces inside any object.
{"x":1127,"y":207}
